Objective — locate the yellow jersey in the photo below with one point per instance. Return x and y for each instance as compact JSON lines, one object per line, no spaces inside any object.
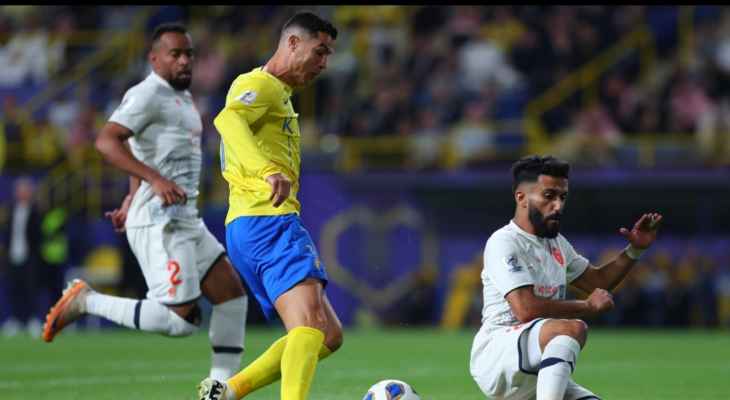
{"x":259,"y":137}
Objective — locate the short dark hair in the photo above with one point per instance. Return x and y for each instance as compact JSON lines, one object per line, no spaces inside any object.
{"x":312,"y":23}
{"x":167,"y":27}
{"x":528,"y":168}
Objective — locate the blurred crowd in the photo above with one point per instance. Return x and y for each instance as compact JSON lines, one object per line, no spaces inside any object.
{"x":439,"y":87}
{"x":451,"y":82}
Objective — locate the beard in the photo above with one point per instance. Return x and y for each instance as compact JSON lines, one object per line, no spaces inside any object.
{"x":181,"y":83}
{"x":541,"y":225}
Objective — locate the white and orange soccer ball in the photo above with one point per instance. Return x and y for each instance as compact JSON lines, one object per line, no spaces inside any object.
{"x":391,"y":389}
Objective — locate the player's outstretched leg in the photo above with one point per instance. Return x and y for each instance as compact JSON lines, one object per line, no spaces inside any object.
{"x":223,"y":288}
{"x":226,"y":333}
{"x":145,"y":315}
{"x":67,"y":309}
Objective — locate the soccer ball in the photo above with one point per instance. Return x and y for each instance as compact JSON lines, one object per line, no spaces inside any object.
{"x":391,"y":389}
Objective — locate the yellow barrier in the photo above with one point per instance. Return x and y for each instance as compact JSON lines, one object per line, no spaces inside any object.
{"x":584,"y":78}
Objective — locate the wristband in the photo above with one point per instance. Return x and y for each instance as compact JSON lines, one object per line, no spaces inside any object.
{"x":633,"y":253}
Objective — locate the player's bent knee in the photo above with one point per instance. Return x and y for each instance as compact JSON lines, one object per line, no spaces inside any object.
{"x":575,"y":328}
{"x":579,"y":329}
{"x":314,"y":319}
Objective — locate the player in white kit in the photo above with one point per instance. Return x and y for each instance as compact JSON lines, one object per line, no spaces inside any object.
{"x":530,"y":338}
{"x":179,"y":257}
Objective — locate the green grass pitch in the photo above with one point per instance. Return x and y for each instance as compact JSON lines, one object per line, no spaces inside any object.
{"x":119,"y":364}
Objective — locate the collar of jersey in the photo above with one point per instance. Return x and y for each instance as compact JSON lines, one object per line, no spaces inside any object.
{"x":287,"y":88}
{"x":522,"y":232}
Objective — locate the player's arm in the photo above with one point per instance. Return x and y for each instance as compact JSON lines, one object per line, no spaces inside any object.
{"x":246,"y":103}
{"x":118,"y":216}
{"x":110,"y":143}
{"x":512,"y":275}
{"x":611,"y":274}
{"x":526,"y":306}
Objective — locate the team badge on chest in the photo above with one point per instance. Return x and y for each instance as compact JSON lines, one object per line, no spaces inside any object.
{"x":557,"y":255}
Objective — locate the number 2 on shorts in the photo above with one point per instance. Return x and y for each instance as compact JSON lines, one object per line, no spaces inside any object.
{"x":174,"y":268}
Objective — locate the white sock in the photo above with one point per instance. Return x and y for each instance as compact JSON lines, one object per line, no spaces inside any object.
{"x":226,"y":334}
{"x":556,"y":364}
{"x":145,"y":315}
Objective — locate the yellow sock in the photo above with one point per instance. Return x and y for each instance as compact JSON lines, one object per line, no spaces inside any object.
{"x":261,"y":372}
{"x":264,"y":370}
{"x":299,"y":362}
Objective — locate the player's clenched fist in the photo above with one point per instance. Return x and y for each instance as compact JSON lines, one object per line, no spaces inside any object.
{"x":600,"y":301}
{"x":280,"y":188}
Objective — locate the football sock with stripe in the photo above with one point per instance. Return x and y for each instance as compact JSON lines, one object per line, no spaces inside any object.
{"x":226,"y":333}
{"x":556,"y":364}
{"x":144,"y":315}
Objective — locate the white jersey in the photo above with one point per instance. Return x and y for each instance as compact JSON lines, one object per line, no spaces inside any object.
{"x":167,"y":129}
{"x":514,"y":258}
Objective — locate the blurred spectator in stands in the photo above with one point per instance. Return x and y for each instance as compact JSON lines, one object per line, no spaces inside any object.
{"x":502,"y":27}
{"x":43,"y":145}
{"x":83,"y":132}
{"x":623,"y":101}
{"x":481,"y":61}
{"x":592,"y":138}
{"x":656,"y":288}
{"x":22,"y":260}
{"x":713,"y":133}
{"x":442,"y":93}
{"x":426,"y":144}
{"x":25,"y":56}
{"x":702,"y":296}
{"x":722,"y":288}
{"x":63,"y":28}
{"x":12,"y":125}
{"x":683,"y":278}
{"x":587,"y":42}
{"x":529,"y":57}
{"x":630,"y":298}
{"x":688,"y":102}
{"x":648,"y":117}
{"x":210,"y":62}
{"x":64,"y":110}
{"x":472,"y":138}
{"x":387,"y":108}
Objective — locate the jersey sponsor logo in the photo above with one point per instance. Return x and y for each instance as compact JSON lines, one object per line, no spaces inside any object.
{"x":512,"y":262}
{"x":248,"y":97}
{"x":287,"y":125}
{"x":546,"y":291}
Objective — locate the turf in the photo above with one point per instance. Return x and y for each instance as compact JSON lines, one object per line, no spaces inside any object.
{"x":119,"y":364}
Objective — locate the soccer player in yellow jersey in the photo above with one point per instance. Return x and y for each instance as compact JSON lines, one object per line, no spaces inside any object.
{"x":266,"y":240}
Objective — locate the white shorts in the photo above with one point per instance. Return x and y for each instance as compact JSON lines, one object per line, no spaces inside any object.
{"x":174,"y":257}
{"x":501,"y":364}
